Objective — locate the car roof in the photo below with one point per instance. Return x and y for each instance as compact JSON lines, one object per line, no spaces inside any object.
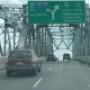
{"x":66,"y":54}
{"x":20,"y":51}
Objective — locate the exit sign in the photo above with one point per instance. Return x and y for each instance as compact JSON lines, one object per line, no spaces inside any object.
{"x":56,"y":12}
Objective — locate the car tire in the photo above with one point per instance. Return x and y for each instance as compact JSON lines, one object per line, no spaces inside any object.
{"x":39,"y":70}
{"x":34,"y":72}
{"x":8,"y":73}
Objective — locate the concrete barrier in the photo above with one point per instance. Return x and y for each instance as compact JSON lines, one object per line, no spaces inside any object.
{"x":43,"y":59}
{"x":2,"y":62}
{"x":84,"y":59}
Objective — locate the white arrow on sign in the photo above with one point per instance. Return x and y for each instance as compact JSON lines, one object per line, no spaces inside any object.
{"x":56,"y":7}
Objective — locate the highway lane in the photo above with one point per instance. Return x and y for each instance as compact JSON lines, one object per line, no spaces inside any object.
{"x":54,"y":76}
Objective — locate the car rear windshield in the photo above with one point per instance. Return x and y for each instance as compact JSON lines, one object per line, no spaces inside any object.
{"x":66,"y":55}
{"x":20,"y":54}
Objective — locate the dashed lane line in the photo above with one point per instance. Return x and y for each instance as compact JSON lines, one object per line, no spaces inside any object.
{"x":50,"y":69}
{"x":37,"y":83}
{"x":89,"y":85}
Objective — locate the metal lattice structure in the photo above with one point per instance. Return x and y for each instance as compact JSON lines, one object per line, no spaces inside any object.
{"x":44,"y":39}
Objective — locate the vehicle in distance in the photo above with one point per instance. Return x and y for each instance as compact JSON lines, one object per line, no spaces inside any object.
{"x":66,"y":56}
{"x":22,"y":61}
{"x":51,"y":57}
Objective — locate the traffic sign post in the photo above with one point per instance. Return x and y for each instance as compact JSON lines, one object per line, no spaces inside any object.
{"x":56,"y":12}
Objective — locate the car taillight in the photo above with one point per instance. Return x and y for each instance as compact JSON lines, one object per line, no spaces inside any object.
{"x":30,"y":61}
{"x":29,"y":58}
{"x":9,"y":61}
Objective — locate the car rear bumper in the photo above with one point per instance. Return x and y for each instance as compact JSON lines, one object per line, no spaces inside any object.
{"x":20,"y":67}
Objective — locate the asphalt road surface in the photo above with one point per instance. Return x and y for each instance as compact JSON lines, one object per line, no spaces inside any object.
{"x":67,"y":75}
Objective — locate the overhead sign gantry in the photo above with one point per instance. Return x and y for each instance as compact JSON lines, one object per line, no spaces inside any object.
{"x":56,"y":12}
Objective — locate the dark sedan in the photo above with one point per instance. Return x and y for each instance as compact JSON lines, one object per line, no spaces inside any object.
{"x":22,"y":61}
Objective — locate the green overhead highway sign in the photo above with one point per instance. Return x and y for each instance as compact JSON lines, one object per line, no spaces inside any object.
{"x":56,"y":12}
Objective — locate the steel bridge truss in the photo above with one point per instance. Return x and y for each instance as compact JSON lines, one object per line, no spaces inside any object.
{"x":44,"y":39}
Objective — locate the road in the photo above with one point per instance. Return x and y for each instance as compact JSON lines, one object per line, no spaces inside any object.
{"x":54,"y":76}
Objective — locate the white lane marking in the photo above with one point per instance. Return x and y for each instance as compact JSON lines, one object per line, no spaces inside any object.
{"x":50,"y":69}
{"x":89,"y":85}
{"x":2,"y":71}
{"x":37,"y":83}
{"x":88,"y":69}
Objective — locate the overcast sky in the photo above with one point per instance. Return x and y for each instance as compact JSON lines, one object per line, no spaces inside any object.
{"x":22,"y":1}
{"x":13,"y":1}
